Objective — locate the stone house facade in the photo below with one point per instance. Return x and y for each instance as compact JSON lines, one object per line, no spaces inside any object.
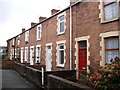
{"x":85,"y":33}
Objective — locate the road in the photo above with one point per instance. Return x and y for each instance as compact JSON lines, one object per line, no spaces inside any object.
{"x":11,"y":80}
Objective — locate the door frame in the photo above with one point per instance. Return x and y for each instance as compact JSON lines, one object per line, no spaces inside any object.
{"x":77,"y":40}
{"x":37,"y":52}
{"x":22,"y":55}
{"x":30,"y":55}
{"x":48,"y":44}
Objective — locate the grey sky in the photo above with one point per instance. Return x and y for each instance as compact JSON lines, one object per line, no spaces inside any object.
{"x":18,"y":14}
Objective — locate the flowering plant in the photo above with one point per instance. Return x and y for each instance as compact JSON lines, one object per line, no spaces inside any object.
{"x":107,"y":77}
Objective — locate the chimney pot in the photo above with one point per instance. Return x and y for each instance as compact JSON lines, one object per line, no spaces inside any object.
{"x":32,"y":24}
{"x":54,"y":11}
{"x":23,"y":29}
{"x":41,"y":18}
{"x":73,"y":1}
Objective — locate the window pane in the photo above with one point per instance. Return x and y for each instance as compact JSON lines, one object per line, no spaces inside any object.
{"x":115,"y":10}
{"x":111,"y":11}
{"x":83,"y":44}
{"x":112,"y":43}
{"x":62,"y":27}
{"x":62,"y":57}
{"x":61,"y":18}
{"x":111,"y":54}
{"x":61,"y":46}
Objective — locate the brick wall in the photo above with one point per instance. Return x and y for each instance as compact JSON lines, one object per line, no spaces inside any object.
{"x":85,"y":22}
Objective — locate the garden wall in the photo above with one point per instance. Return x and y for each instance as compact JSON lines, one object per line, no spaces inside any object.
{"x":35,"y":75}
{"x":55,"y":82}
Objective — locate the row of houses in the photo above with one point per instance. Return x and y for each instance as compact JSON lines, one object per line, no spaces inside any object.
{"x":84,"y":33}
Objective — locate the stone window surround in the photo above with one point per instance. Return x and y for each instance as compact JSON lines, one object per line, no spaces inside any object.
{"x":57,"y":48}
{"x":101,"y":15}
{"x":58,"y":23}
{"x":102,"y":44}
{"x":37,"y":39}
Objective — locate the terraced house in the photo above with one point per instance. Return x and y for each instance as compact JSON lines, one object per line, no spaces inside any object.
{"x":85,"y":33}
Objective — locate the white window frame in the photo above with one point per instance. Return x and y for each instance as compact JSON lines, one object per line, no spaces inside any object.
{"x":26,"y":54}
{"x":58,"y":23}
{"x":39,"y":53}
{"x":59,"y":43}
{"x":26,"y":36}
{"x":38,"y":32}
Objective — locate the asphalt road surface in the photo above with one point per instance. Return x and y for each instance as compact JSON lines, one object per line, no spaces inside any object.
{"x":11,"y":80}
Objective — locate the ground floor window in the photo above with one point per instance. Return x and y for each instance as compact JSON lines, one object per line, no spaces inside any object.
{"x":112,"y":48}
{"x":61,"y":53}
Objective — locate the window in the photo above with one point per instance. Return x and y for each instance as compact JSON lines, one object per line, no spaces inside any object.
{"x":110,"y":9}
{"x":39,"y":30}
{"x":26,"y":36}
{"x":112,"y":48}
{"x":26,"y":53}
{"x":38,"y":50}
{"x":19,"y":40}
{"x":61,"y":53}
{"x":61,"y":23}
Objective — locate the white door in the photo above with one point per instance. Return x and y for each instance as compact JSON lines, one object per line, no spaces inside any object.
{"x":22,"y":54}
{"x":48,"y":58}
{"x":31,"y":55}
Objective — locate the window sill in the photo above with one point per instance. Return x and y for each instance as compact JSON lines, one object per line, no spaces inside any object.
{"x":38,"y":40}
{"x":60,"y":65}
{"x":111,"y":20}
{"x":62,"y":33}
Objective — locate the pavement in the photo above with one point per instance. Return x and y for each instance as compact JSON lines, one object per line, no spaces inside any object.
{"x":11,"y":80}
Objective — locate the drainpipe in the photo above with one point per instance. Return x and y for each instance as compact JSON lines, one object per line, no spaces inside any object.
{"x":70,"y":38}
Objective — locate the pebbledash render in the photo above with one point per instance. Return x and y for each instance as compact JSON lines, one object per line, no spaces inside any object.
{"x":85,"y":33}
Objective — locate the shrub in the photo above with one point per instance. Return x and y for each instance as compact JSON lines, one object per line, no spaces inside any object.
{"x":107,"y":77}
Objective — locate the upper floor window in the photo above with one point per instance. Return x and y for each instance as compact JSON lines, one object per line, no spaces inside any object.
{"x":19,"y":40}
{"x":110,"y":9}
{"x":26,"y":36}
{"x":112,"y":48}
{"x":13,"y":41}
{"x":39,"y":30}
{"x":61,"y":24}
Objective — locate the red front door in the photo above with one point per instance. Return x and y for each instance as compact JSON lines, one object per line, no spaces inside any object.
{"x":82,"y":57}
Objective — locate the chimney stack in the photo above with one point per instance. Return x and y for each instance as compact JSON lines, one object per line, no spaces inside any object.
{"x":32,"y":24}
{"x":54,"y":11}
{"x":73,"y":1}
{"x":23,"y":30}
{"x":41,"y":18}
